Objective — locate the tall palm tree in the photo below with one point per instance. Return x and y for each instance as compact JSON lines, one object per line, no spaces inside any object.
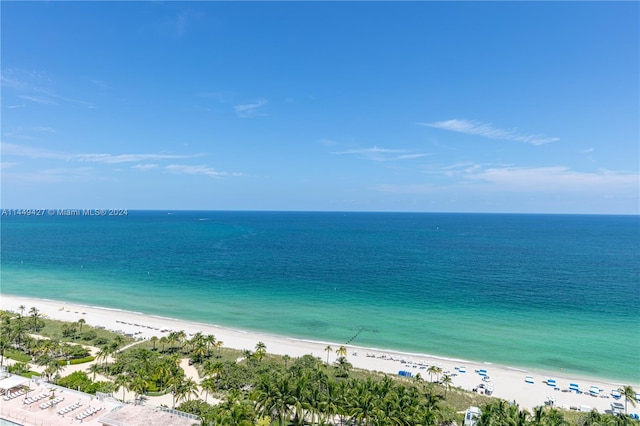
{"x":35,"y":315}
{"x":103,"y":354}
{"x":446,"y":382}
{"x":629,"y":396}
{"x":121,"y":382}
{"x":210,"y":339}
{"x":139,"y":386}
{"x":4,"y":345}
{"x":95,"y":369}
{"x":343,"y":366}
{"x":328,"y":350}
{"x":175,"y":381}
{"x":22,"y":308}
{"x":433,"y":369}
{"x":261,"y":351}
{"x":81,"y":321}
{"x":286,"y":359}
{"x":219,"y":344}
{"x":208,"y":386}
{"x":186,"y":389}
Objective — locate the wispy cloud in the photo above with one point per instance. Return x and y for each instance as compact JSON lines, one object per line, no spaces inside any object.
{"x":512,"y":179}
{"x":44,"y":129}
{"x":145,"y":166}
{"x":555,"y":179}
{"x":199,"y":170}
{"x":381,"y":154}
{"x":9,"y":149}
{"x":38,"y":100}
{"x":487,"y":130}
{"x":250,"y":109}
{"x":50,"y":176}
{"x":7,"y":164}
{"x":125,"y":158}
{"x":36,"y":87}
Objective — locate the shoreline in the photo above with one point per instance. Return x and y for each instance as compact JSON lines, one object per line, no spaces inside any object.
{"x":508,"y":382}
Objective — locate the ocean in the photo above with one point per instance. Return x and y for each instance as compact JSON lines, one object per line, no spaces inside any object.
{"x":541,"y":292}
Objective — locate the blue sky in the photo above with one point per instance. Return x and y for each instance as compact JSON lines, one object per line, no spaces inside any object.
{"x":359,"y":106}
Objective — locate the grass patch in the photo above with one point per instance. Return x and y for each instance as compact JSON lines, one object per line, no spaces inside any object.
{"x":15,"y":355}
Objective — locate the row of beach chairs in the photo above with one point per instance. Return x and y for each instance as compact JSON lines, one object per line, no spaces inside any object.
{"x":69,"y":408}
{"x":36,"y":398}
{"x":51,"y":402}
{"x":88,"y":412}
{"x":12,"y":395}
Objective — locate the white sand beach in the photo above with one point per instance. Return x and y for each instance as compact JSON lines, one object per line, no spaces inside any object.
{"x":508,"y":383}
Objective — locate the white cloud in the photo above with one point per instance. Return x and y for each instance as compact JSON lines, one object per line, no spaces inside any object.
{"x":198,"y":170}
{"x":556,"y":180}
{"x":250,"y":109}
{"x":145,"y":166}
{"x":381,"y":154}
{"x":36,"y":87}
{"x":7,"y":164}
{"x":124,"y":158}
{"x":488,"y":131}
{"x":45,"y":129}
{"x":37,"y":100}
{"x":9,"y":149}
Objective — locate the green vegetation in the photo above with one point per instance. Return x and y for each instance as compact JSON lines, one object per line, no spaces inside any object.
{"x":257,"y":388}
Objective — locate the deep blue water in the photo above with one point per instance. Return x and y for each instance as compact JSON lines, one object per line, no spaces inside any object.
{"x":538,"y":291}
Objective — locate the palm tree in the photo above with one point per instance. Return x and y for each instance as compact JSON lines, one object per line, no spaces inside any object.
{"x":103,"y":354}
{"x":121,"y":381}
{"x":4,"y":345}
{"x":80,"y":322}
{"x":629,"y":396}
{"x":187,"y":388}
{"x":175,"y":381}
{"x":210,"y":339}
{"x":22,"y":308}
{"x":95,"y":369}
{"x":218,"y":345}
{"x":341,"y":351}
{"x":208,"y":386}
{"x":446,"y":382}
{"x":52,"y":369}
{"x":328,"y":350}
{"x":154,"y":341}
{"x":261,"y":351}
{"x":139,"y":386}
{"x":199,"y":352}
{"x":433,"y":370}
{"x":343,"y":366}
{"x":35,"y":315}
{"x":286,"y":359}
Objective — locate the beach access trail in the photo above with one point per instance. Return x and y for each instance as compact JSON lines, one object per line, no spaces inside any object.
{"x":508,"y":383}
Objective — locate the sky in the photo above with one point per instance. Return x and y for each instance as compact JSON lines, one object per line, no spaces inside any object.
{"x":510,"y":107}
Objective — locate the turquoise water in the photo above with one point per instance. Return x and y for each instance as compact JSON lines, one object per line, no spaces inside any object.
{"x":548,"y":292}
